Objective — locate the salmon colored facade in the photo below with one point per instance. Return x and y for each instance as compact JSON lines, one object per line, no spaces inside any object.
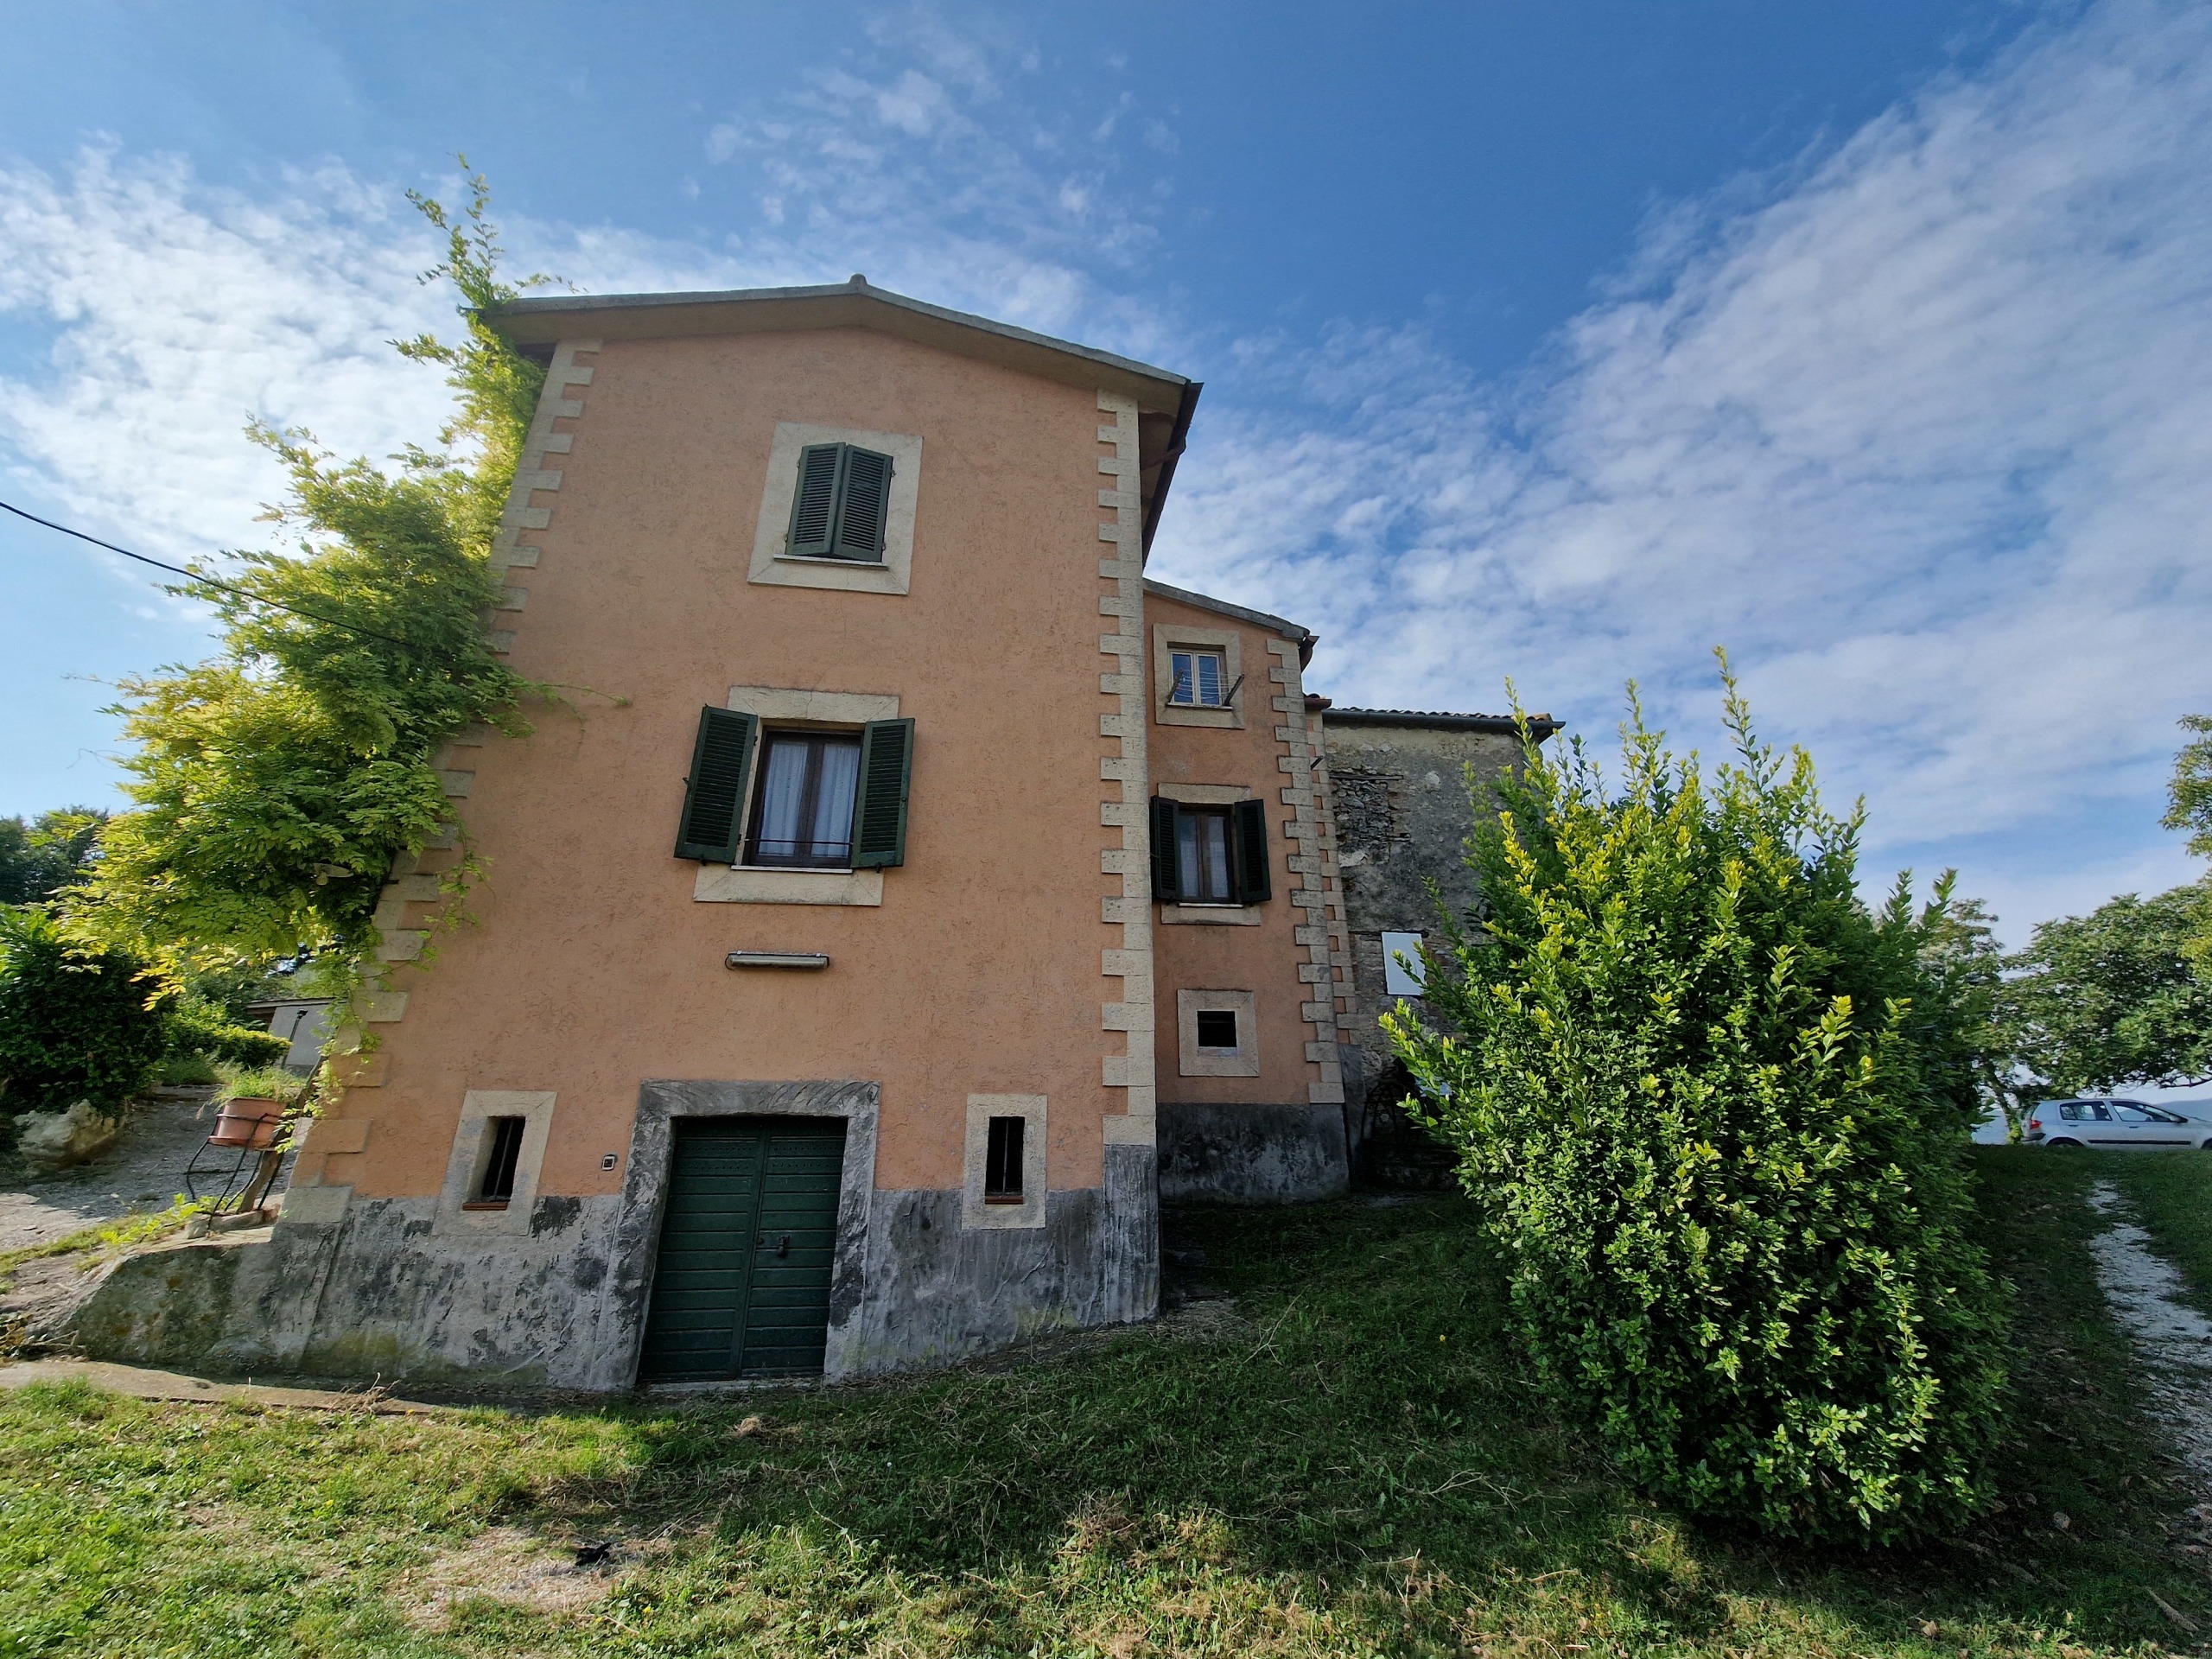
{"x":936,"y":854}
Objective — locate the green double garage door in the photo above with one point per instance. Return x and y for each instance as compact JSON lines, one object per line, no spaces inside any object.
{"x":741,"y":1286}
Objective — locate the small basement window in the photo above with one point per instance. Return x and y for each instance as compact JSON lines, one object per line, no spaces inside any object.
{"x":1217,"y":1031}
{"x":1002,"y":1161}
{"x":496,"y":1187}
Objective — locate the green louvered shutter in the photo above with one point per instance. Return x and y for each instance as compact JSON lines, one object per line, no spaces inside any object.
{"x":1253,"y":883}
{"x":814,"y":503}
{"x":879,"y":803}
{"x":863,"y":499}
{"x":1166,"y":869}
{"x":714,"y":792}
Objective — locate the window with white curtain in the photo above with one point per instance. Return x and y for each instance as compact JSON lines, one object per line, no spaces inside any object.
{"x":803,"y":805}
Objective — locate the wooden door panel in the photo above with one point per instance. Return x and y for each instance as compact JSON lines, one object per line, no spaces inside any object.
{"x":748,"y":1241}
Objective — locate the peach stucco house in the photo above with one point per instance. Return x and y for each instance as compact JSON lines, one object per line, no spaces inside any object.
{"x":922,"y":892}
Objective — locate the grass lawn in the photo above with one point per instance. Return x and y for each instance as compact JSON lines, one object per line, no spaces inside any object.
{"x":1345,"y":1465}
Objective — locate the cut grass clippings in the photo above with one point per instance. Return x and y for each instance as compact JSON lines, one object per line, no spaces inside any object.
{"x":1350,"y":1465}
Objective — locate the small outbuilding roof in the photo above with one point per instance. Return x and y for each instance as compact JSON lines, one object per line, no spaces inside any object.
{"x":1541,"y":725}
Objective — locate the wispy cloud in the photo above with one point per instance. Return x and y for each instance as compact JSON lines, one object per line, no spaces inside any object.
{"x":944,"y":162}
{"x":173,"y":315}
{"x":1925,"y":436}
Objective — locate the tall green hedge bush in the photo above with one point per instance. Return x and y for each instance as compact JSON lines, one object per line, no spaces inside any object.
{"x":1708,"y":1101}
{"x":75,"y":1025}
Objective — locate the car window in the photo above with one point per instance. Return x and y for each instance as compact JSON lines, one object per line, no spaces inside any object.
{"x":2127,"y":1114}
{"x":2097,"y":1111}
{"x":2070,"y":1112}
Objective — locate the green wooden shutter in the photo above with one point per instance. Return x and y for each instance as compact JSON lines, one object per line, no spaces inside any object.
{"x":714,"y":794}
{"x":1253,"y":882}
{"x":1166,"y":866}
{"x":864,"y":498}
{"x":813,"y":502}
{"x":879,"y":802}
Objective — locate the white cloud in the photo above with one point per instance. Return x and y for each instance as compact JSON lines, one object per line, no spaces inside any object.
{"x":918,"y":161}
{"x":175,"y":315}
{"x":1925,"y":438}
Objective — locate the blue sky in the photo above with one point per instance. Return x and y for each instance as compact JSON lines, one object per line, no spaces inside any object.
{"x":1558,"y":341}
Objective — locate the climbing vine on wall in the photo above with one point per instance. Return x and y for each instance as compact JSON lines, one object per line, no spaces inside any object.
{"x":275,"y":783}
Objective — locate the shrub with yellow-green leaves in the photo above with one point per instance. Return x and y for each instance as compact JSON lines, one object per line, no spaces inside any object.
{"x":1709,"y":1102}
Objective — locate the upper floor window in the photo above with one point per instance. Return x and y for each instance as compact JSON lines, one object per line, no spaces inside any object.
{"x":821,"y":800}
{"x":840,"y":503}
{"x":1209,"y":855}
{"x":803,"y":804}
{"x":1197,"y":679}
{"x":1205,"y":865}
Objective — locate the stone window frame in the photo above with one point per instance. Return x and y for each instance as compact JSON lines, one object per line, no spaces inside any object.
{"x":1166,"y":637}
{"x":789,"y":708}
{"x":1191,"y":1062}
{"x":1030,"y":1212}
{"x":472,"y":1146}
{"x":774,"y":567}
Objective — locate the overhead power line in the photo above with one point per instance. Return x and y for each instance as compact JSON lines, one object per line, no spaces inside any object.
{"x":209,"y":582}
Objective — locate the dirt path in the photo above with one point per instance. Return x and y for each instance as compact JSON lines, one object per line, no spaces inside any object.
{"x":2175,"y":1340}
{"x":142,"y":1171}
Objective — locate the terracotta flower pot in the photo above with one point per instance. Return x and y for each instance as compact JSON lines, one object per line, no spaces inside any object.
{"x":247,"y":1123}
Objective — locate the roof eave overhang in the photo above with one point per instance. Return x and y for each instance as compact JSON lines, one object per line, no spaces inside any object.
{"x":1164,"y":400}
{"x":1540,"y":726}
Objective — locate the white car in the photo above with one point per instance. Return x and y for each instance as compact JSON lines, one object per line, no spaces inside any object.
{"x":2124,"y":1125}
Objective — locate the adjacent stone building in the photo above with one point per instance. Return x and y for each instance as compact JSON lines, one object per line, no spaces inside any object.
{"x":1402,"y":787}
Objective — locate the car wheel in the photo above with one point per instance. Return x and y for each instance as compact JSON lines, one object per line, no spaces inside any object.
{"x":2070,"y":1146}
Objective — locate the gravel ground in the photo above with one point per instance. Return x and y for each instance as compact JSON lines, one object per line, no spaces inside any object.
{"x":2173,"y":1339}
{"x":144,"y":1170}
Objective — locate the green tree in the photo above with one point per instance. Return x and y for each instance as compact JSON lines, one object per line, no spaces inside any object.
{"x":38,"y":859}
{"x":2188,"y":806}
{"x":2113,"y":998}
{"x":2189,"y":794}
{"x":1713,"y":1107}
{"x":275,"y":785}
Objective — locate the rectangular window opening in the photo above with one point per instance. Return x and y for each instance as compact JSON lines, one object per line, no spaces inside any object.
{"x":1217,"y":1030}
{"x":839,"y":504}
{"x":496,"y":1188}
{"x":1198,"y":678}
{"x":1202,"y":851}
{"x":1003,"y":1160}
{"x":803,"y":803}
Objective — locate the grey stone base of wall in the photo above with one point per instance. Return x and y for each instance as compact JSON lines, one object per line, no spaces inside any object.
{"x":372,"y":1295}
{"x":380,"y":1292}
{"x":941,"y":1293}
{"x":1252,"y":1155}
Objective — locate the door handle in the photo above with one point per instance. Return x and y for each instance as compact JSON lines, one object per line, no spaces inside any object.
{"x":784,"y":1249}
